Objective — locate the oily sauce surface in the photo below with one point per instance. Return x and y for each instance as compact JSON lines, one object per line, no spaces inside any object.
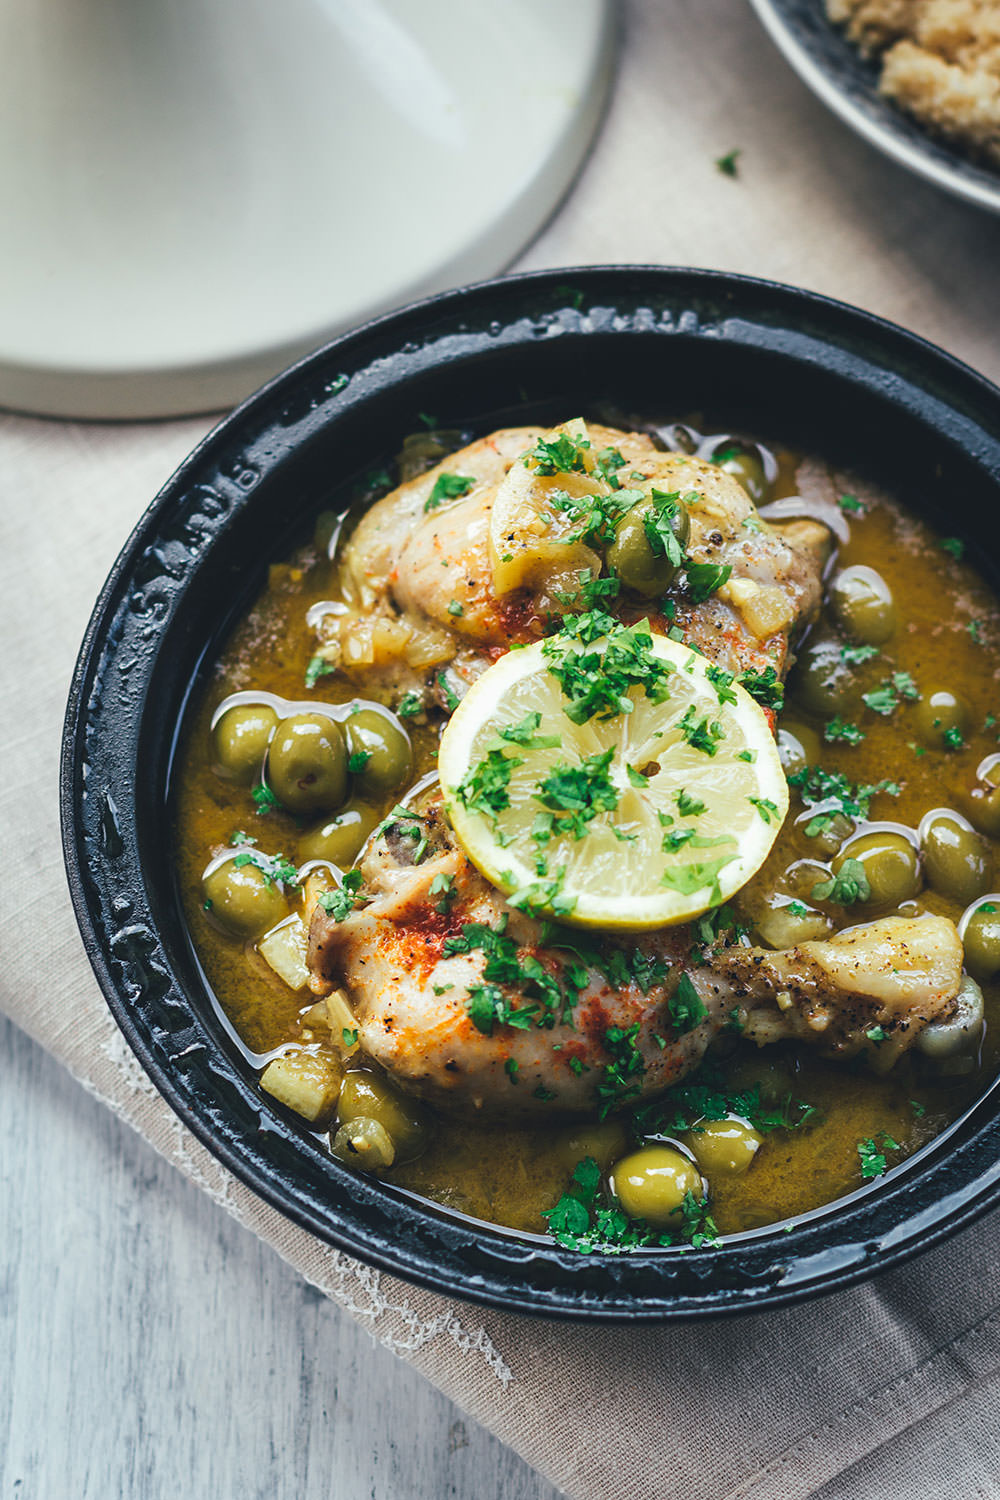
{"x":948,"y":636}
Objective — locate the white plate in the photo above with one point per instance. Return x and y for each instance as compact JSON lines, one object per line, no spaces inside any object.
{"x":194,"y":194}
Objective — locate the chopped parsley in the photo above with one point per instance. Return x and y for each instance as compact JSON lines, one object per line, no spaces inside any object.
{"x":659,"y":524}
{"x":722,"y":681}
{"x":450,"y":698}
{"x":685,"y":1007}
{"x":842,"y":731}
{"x":627,"y":1064}
{"x":872,"y":1154}
{"x":974,"y":628}
{"x":847,"y":887}
{"x":701,"y":734}
{"x":447,"y":487}
{"x":704,"y":579}
{"x":275,"y":868}
{"x":855,"y":655}
{"x":264,"y":799}
{"x":525,"y":732}
{"x":687,"y":879}
{"x":688,"y":806}
{"x":444,"y":886}
{"x":954,"y":545}
{"x":574,"y":795}
{"x":766,"y":686}
{"x":728,"y":165}
{"x":767,"y":809}
{"x":340,"y":903}
{"x":705,"y":1096}
{"x":596,"y":682}
{"x":885,"y":699}
{"x":485,"y":788}
{"x":358,"y":760}
{"x":953,"y":738}
{"x":841,"y":796}
{"x":318,"y":667}
{"x":410,"y":705}
{"x":851,"y":505}
{"x":454,"y":608}
{"x":560,"y":455}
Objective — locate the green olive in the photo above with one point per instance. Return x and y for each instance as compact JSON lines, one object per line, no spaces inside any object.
{"x":653,"y":1182}
{"x":605,"y":1142}
{"x":982,"y":940}
{"x":823,"y":682}
{"x":642,"y":565}
{"x":942,"y":719}
{"x":382,"y":749}
{"x":862,"y":603}
{"x":956,"y":860}
{"x":798,"y":746}
{"x":307,"y":764}
{"x":240,"y":739}
{"x":743,"y":461}
{"x":363,"y":1144}
{"x":890,"y":863}
{"x":983,"y":804}
{"x":339,"y":840}
{"x":724,"y":1148}
{"x":366,"y":1095}
{"x":241,"y":899}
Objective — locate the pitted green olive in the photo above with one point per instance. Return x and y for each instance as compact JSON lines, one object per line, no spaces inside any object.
{"x":379,"y":750}
{"x":240,"y":739}
{"x":366,"y":1095}
{"x":638,"y":554}
{"x":798,"y":746}
{"x":242,"y":899}
{"x":724,"y":1148}
{"x":307,"y":764}
{"x":862,"y":603}
{"x":890,"y":863}
{"x":982,"y":941}
{"x":823,"y":682}
{"x":956,"y":861}
{"x":653,"y":1182}
{"x":605,"y":1142}
{"x":942,"y":720}
{"x":363,"y":1144}
{"x":744,"y":463}
{"x":984,"y":810}
{"x":339,"y":840}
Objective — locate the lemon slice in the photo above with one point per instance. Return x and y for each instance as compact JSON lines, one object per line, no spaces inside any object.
{"x":531,"y":529}
{"x":626,"y":783}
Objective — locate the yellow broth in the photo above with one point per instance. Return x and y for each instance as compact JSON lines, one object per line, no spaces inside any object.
{"x":947,"y":635}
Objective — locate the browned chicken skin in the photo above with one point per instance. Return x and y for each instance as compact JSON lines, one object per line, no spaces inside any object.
{"x":473,"y":1004}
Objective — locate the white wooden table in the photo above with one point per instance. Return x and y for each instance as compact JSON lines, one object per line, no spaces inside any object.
{"x":150,"y":1348}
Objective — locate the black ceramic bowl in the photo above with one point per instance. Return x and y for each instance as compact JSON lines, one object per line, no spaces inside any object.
{"x":847,"y":83}
{"x":754,"y":356}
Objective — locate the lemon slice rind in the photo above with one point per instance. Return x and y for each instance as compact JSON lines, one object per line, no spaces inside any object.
{"x":648,"y":874}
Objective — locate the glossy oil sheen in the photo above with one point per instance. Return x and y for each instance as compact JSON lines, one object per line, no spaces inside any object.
{"x":763,"y":358}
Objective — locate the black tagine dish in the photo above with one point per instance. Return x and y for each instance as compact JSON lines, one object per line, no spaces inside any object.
{"x":754,"y":358}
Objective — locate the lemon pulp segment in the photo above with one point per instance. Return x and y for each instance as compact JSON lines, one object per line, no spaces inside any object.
{"x":642,"y":818}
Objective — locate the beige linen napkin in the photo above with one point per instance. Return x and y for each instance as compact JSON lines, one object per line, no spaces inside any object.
{"x":889,"y":1390}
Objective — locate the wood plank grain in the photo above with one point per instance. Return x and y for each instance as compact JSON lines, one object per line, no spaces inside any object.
{"x":150,"y":1347}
